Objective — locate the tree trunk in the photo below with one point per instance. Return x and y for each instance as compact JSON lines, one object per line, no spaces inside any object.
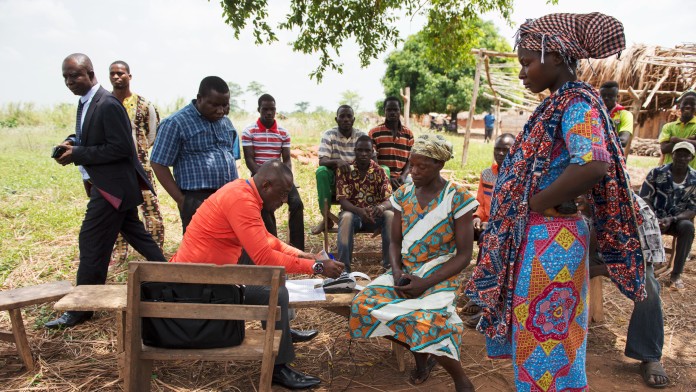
{"x":472,"y":107}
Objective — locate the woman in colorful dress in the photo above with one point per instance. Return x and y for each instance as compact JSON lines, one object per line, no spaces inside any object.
{"x":532,"y":277}
{"x":432,"y":237}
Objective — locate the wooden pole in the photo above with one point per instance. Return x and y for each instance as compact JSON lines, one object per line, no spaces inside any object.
{"x":498,"y":120}
{"x":472,"y":107}
{"x":406,"y":96}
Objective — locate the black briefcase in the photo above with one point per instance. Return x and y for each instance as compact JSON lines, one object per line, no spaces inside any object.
{"x":191,"y":333}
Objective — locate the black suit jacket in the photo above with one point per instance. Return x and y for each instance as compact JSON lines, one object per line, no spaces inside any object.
{"x":107,"y":152}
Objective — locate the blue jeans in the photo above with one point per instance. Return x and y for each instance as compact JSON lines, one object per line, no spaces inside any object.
{"x":646,"y":329}
{"x":349,"y":223}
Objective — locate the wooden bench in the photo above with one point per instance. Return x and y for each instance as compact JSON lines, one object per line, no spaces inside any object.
{"x":113,"y":298}
{"x":257,"y":345}
{"x":14,"y":300}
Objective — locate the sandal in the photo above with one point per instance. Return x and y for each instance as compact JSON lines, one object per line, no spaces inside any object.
{"x":472,"y":321}
{"x":419,"y":377}
{"x":675,"y":284}
{"x":652,"y":369}
{"x":470,"y":309}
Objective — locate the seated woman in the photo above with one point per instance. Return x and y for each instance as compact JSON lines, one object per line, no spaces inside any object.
{"x":432,"y":237}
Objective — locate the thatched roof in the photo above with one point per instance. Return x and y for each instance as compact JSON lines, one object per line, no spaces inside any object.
{"x":657,"y":75}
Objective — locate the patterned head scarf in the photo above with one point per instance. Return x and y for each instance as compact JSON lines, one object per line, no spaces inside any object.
{"x":433,"y":146}
{"x":574,"y":36}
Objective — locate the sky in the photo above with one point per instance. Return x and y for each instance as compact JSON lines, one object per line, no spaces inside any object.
{"x":171,"y":45}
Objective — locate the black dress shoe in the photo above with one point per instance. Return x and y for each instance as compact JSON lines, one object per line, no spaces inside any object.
{"x":69,"y":319}
{"x":292,"y":379}
{"x":303,"y":336}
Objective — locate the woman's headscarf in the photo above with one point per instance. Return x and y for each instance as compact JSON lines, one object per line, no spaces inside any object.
{"x":574,"y":36}
{"x":433,"y":146}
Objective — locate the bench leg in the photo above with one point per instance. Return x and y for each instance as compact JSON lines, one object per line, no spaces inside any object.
{"x":120,"y":345}
{"x":20,"y":338}
{"x":596,"y":300}
{"x":400,"y":354}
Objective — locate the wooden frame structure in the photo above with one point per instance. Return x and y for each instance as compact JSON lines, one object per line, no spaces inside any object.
{"x":257,"y":345}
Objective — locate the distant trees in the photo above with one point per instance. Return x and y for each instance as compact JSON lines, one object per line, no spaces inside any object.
{"x":351,"y":98}
{"x":235,"y":92}
{"x":302,"y":106}
{"x":435,"y":88}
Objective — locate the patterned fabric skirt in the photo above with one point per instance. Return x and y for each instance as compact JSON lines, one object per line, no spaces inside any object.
{"x":428,"y":324}
{"x":550,"y":303}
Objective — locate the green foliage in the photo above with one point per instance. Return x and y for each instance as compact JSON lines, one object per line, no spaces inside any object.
{"x":256,"y":88}
{"x":302,"y":106}
{"x":352,"y":99}
{"x":323,"y":27}
{"x":236,"y":91}
{"x":434,"y":87}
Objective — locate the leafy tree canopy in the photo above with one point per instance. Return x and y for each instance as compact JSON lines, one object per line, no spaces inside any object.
{"x":323,"y":27}
{"x":435,"y":87}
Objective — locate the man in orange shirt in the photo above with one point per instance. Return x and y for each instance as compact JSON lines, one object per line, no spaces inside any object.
{"x":487,"y":183}
{"x":230,"y":220}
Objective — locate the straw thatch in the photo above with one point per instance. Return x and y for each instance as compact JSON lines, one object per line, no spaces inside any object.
{"x":657,"y":75}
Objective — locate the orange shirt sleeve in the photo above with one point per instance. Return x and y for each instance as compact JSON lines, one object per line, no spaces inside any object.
{"x":245,"y":220}
{"x":480,"y":198}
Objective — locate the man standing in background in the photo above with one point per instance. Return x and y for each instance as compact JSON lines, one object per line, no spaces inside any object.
{"x":144,"y":122}
{"x":489,"y":125}
{"x":200,"y":142}
{"x":263,"y":141}
{"x":393,"y":142}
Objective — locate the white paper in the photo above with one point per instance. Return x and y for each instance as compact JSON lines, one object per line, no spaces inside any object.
{"x":302,"y":290}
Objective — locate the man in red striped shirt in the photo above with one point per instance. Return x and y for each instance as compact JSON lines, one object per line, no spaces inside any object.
{"x":263,"y":141}
{"x":393,"y":142}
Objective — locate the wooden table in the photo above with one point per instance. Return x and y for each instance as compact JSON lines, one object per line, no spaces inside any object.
{"x":14,"y":300}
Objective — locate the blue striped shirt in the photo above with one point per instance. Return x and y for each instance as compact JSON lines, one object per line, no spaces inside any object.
{"x":203,"y":153}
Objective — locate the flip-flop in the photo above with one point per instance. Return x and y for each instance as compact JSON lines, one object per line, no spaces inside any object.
{"x":416,"y":378}
{"x":675,"y":284}
{"x":648,"y":369}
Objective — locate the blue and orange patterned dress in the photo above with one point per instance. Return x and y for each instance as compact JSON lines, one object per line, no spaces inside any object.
{"x":550,"y":302}
{"x":429,"y":323}
{"x":532,"y":276}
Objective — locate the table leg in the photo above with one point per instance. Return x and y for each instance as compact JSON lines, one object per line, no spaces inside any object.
{"x":20,"y":338}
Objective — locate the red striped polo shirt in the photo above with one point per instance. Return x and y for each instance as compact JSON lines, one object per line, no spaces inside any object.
{"x":392,"y":151}
{"x":266,"y":142}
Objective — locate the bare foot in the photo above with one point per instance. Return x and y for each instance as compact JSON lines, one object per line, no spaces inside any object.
{"x":464,"y":385}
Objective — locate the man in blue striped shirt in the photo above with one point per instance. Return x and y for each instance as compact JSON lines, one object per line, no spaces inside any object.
{"x":201,"y":143}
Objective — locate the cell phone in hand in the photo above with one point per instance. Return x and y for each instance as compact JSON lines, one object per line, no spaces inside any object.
{"x":403,"y":281}
{"x":58,"y":151}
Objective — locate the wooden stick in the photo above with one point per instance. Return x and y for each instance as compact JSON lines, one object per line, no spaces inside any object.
{"x":472,"y":108}
{"x":656,"y":88}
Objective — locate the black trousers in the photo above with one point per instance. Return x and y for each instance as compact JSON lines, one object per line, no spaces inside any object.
{"x":684,"y":231}
{"x":295,"y":221}
{"x":98,"y":233}
{"x":259,"y":295}
{"x":192,"y":200}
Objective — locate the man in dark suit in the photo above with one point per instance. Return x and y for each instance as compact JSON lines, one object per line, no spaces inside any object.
{"x":103,"y":148}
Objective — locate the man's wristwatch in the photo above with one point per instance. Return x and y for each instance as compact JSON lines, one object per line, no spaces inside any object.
{"x":318,"y":268}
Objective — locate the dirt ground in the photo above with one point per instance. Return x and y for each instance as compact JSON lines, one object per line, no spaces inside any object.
{"x":84,"y":358}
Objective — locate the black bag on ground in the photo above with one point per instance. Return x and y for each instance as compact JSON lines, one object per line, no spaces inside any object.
{"x":191,"y":333}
